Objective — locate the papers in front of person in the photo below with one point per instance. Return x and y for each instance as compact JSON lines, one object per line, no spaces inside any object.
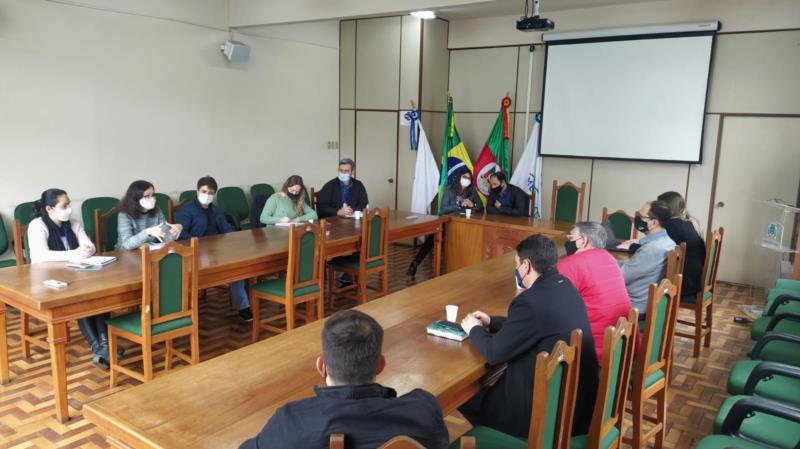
{"x":447,"y":329}
{"x":156,"y":246}
{"x":624,"y":245}
{"x":286,"y":225}
{"x":97,"y":261}
{"x":412,"y":217}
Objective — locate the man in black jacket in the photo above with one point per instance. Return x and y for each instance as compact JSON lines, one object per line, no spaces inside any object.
{"x":538,"y":317}
{"x":343,"y":195}
{"x":367,"y":413}
{"x":506,"y":199}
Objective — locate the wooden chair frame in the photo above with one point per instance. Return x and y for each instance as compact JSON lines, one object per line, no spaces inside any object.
{"x":359,"y":288}
{"x":581,"y":192}
{"x":675,"y":262}
{"x":703,"y":325}
{"x":598,"y":429}
{"x":604,"y":218}
{"x":643,"y":369}
{"x":27,"y":336}
{"x":293,"y":282}
{"x":398,"y":442}
{"x":100,"y":220}
{"x":150,"y":314}
{"x":312,"y":198}
{"x":173,"y":208}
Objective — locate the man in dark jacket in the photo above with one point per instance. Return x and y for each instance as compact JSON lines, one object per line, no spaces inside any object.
{"x":506,"y":199}
{"x":343,"y":195}
{"x":367,"y":413}
{"x":538,"y":317}
{"x":201,"y":218}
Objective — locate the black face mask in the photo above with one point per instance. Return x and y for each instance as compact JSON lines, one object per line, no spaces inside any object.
{"x":497,"y":190}
{"x":293,"y":196}
{"x":640,"y":224}
{"x":571,"y":247}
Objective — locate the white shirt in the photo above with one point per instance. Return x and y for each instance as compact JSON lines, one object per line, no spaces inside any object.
{"x":40,"y":252}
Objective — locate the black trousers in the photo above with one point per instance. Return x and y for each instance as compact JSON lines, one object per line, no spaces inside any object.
{"x":424,"y":250}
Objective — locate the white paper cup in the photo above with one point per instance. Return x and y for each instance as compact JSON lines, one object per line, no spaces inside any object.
{"x":468,"y":212}
{"x":357,"y":215}
{"x":452,"y":313}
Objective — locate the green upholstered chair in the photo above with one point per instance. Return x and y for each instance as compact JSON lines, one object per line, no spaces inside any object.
{"x":621,"y":223}
{"x":187,"y":195}
{"x":100,"y":221}
{"x":371,"y":259}
{"x":770,"y":380}
{"x":234,"y":205}
{"x":169,"y":310}
{"x":740,"y":418}
{"x":567,"y":202}
{"x":260,"y":189}
{"x":605,"y":431}
{"x":762,"y":427}
{"x":702,"y":304}
{"x":653,"y":362}
{"x":5,"y":244}
{"x":555,"y":386}
{"x":164,"y":203}
{"x":781,"y":316}
{"x":303,"y":282}
{"x":24,"y":213}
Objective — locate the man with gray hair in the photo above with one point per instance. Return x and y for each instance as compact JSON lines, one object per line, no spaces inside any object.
{"x":597,"y":276}
{"x":342,"y":195}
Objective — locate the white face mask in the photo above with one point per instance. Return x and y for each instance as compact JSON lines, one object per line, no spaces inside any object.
{"x":63,"y":215}
{"x":466,"y":182}
{"x":205,"y":198}
{"x":147,"y":203}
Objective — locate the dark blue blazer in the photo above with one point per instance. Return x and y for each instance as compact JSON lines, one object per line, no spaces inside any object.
{"x":194,"y":220}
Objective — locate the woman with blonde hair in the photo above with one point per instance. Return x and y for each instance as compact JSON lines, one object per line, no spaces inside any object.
{"x":288,"y":205}
{"x":683,"y":228}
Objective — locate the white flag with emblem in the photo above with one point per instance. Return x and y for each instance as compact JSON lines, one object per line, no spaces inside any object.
{"x":426,"y":176}
{"x":528,"y":175}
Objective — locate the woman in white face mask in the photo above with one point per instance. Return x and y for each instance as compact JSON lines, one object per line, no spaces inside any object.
{"x":140,"y":221}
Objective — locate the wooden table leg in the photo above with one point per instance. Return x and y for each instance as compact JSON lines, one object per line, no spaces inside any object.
{"x":437,"y":252}
{"x":57,"y":337}
{"x":5,"y":377}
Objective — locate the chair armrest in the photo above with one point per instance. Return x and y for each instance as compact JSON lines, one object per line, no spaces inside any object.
{"x":467,"y":443}
{"x":767,"y":369}
{"x":769,"y":337}
{"x":234,"y":221}
{"x":791,"y":316}
{"x":782,"y":299}
{"x":336,"y":441}
{"x":743,"y":408}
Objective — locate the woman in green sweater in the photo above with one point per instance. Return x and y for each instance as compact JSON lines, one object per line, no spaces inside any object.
{"x":288,"y":205}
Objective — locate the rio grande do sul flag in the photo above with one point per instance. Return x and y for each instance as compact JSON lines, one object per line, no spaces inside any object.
{"x":494,"y":155}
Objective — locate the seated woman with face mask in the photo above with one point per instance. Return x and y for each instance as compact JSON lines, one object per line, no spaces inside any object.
{"x":53,"y":236}
{"x":140,"y":221}
{"x":288,"y":205}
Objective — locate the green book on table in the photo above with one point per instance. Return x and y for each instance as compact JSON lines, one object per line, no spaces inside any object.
{"x":447,"y":329}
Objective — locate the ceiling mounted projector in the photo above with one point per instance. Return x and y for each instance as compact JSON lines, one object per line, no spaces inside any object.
{"x":235,"y":51}
{"x":534,"y":22}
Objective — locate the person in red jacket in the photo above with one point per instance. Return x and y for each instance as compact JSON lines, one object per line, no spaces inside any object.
{"x":598,"y":278}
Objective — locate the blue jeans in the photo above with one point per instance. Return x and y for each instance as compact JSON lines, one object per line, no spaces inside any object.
{"x":239,"y":295}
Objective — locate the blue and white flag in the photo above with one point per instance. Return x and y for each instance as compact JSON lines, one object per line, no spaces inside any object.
{"x":426,"y":175}
{"x":528,"y":174}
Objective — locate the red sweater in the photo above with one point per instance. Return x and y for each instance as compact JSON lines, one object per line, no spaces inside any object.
{"x":596,"y":275}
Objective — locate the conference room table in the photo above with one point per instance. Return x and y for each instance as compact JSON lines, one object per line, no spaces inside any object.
{"x":222,"y":259}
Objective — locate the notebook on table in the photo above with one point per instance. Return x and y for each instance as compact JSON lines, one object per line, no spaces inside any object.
{"x":447,"y":329}
{"x":93,"y":261}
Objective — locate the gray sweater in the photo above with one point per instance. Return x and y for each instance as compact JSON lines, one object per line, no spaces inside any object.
{"x":646,"y":267}
{"x":132,"y":232}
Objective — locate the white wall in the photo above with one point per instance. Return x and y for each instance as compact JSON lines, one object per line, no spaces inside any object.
{"x":91,"y":100}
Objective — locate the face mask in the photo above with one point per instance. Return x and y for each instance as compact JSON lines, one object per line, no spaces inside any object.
{"x":293,"y":196}
{"x":466,"y":182}
{"x":520,"y":284}
{"x":640,"y":224}
{"x":205,"y":198}
{"x":497,"y":190}
{"x":571,"y":247}
{"x":344,"y":177}
{"x":147,"y":203}
{"x":63,"y":215}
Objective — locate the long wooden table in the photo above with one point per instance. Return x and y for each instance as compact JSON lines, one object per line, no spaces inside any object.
{"x":223,"y":401}
{"x":222,"y":259}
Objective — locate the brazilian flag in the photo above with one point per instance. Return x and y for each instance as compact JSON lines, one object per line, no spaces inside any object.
{"x":455,"y":159}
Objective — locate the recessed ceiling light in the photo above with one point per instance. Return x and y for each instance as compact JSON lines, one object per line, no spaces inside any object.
{"x":424,"y":14}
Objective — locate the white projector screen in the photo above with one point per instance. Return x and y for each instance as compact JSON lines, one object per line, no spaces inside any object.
{"x":635,"y":98}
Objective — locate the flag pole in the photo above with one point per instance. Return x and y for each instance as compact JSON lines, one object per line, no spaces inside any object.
{"x":528,"y":102}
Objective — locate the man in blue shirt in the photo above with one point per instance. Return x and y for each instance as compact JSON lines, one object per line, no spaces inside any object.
{"x":201,"y":218}
{"x":352,"y":404}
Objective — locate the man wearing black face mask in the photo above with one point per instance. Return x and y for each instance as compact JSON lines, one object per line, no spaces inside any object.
{"x":506,"y":199}
{"x":648,"y":263}
{"x":537,"y":318}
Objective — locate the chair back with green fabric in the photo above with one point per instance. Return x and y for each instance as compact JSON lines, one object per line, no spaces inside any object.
{"x":104,"y":204}
{"x":657,"y":338}
{"x":675,"y":260}
{"x":260,"y":189}
{"x":567,"y":202}
{"x":375,"y":236}
{"x":170,"y":283}
{"x":187,"y":195}
{"x":21,"y":253}
{"x":164,"y":204}
{"x":711,"y":264}
{"x":5,"y":242}
{"x":621,"y":223}
{"x":555,"y":388}
{"x":105,"y":228}
{"x":605,"y":431}
{"x":306,"y":258}
{"x":24,"y":213}
{"x":233,"y":202}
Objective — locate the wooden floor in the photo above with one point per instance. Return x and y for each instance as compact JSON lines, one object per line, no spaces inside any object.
{"x":26,"y":404}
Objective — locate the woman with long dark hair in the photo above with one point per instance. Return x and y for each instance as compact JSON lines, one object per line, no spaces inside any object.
{"x":288,"y":205}
{"x":53,"y":236}
{"x":140,"y":221}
